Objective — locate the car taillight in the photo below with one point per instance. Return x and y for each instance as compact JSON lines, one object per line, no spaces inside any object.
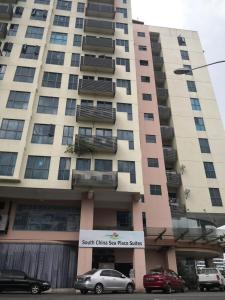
{"x":218,"y":277}
{"x":88,"y":279}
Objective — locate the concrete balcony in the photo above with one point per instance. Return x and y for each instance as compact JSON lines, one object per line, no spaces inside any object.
{"x":156,"y":48}
{"x":99,"y":26}
{"x":6,"y":11}
{"x":100,"y":44}
{"x":3,"y":30}
{"x":95,"y":179}
{"x":111,"y":2}
{"x":97,"y":88}
{"x":164,"y":113}
{"x":98,"y":10}
{"x":167,"y":133}
{"x":170,"y":155}
{"x":160,"y":77}
{"x":158,"y":62}
{"x":173,"y":179}
{"x":97,"y":64}
{"x":154,"y":36}
{"x":95,"y":144}
{"x":162,"y":95}
{"x":95,"y":114}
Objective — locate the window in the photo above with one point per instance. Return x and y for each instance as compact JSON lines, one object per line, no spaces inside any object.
{"x":122,"y":26}
{"x":191,"y":86}
{"x":38,"y":14}
{"x":147,"y":97}
{"x":7,"y":49}
{"x":184,"y":54}
{"x":141,"y":34}
{"x":58,"y":38}
{"x":80,"y":7}
{"x":104,"y":105}
{"x":123,"y":62}
{"x":103,"y":165}
{"x":204,"y":145}
{"x":34,"y":32}
{"x":190,"y":69}
{"x":48,"y":105}
{"x":77,"y":40}
{"x":18,"y":100}
{"x":83,"y":164}
{"x":124,"y":84}
{"x":199,"y":124}
{"x":127,"y":108}
{"x":24,"y":74}
{"x":87,"y":102}
{"x":215,"y":197}
{"x":11,"y":129}
{"x":64,"y":168}
{"x":79,"y":23}
{"x":70,"y":107}
{"x":2,"y":71}
{"x":122,"y":11}
{"x":126,"y":135}
{"x":64,"y":5}
{"x":143,"y":62}
{"x":153,"y":162}
{"x":73,"y":82}
{"x":43,"y":134}
{"x":7,"y":163}
{"x":148,"y":117}
{"x":103,"y":132}
{"x":37,"y":167}
{"x":61,"y":21}
{"x":150,"y":138}
{"x":195,"y":104}
{"x":52,"y":79}
{"x":181,"y":41}
{"x":75,"y":60}
{"x":123,"y":219}
{"x":85,"y":131}
{"x":18,"y":12}
{"x":30,"y":52}
{"x":67,"y":135}
{"x":142,"y":48}
{"x":155,"y":190}
{"x":145,"y":79}
{"x":127,"y":167}
{"x":123,"y":43}
{"x":42,"y":1}
{"x":13,"y":28}
{"x":209,"y":170}
{"x":55,"y":58}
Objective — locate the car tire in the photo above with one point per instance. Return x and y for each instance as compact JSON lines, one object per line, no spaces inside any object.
{"x":168,"y":289}
{"x":148,"y":290}
{"x":130,"y":289}
{"x":83,"y":292}
{"x":35,"y":289}
{"x":222,"y":288}
{"x":99,"y":289}
{"x":182,"y":290}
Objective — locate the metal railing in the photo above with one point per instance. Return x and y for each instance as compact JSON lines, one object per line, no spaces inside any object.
{"x":97,"y":87}
{"x":99,"y":26}
{"x":97,"y":64}
{"x":95,"y":114}
{"x":92,"y":43}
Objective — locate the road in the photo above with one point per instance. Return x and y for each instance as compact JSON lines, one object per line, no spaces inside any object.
{"x":154,"y":296}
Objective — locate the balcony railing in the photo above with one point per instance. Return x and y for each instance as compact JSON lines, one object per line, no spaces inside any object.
{"x":95,"y":114}
{"x":98,"y":10}
{"x":95,"y":144}
{"x":176,"y":207}
{"x":95,"y":179}
{"x":97,"y":64}
{"x":158,"y":62}
{"x":3,"y":30}
{"x":160,"y":77}
{"x":162,"y":95}
{"x":173,"y":179}
{"x":111,"y":2}
{"x":154,"y":36}
{"x":6,"y":11}
{"x":170,"y":155}
{"x":100,"y":44}
{"x":164,"y":113}
{"x":156,"y":48}
{"x":97,"y":88}
{"x":99,"y":26}
{"x":167,"y":133}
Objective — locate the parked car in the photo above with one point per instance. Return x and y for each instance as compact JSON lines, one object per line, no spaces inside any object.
{"x":163,"y":279}
{"x":209,"y":278}
{"x":12,"y":280}
{"x":100,"y":280}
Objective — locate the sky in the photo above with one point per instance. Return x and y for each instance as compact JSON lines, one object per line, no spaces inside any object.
{"x":205,"y":16}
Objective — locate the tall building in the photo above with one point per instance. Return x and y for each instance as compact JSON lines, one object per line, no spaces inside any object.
{"x":107,"y":158}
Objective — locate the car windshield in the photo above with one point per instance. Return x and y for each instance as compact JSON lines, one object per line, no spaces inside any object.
{"x":155,"y":272}
{"x":208,"y":271}
{"x":91,"y":272}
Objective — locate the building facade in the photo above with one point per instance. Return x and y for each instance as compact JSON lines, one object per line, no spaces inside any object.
{"x":99,"y":136}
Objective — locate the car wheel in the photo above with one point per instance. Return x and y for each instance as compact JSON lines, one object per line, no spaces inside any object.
{"x":202,"y":289}
{"x":168,"y":289}
{"x":182,"y":290}
{"x":130,"y":288}
{"x":83,"y":292}
{"x":99,"y":289}
{"x":222,"y":288}
{"x":148,"y":291}
{"x":35,"y":289}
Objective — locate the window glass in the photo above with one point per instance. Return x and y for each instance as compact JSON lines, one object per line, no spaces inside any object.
{"x":37,"y":167}
{"x":7,"y":163}
{"x":48,"y":105}
{"x":11,"y":129}
{"x":18,"y":100}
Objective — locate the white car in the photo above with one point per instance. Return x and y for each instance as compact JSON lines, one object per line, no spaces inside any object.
{"x":211,"y":278}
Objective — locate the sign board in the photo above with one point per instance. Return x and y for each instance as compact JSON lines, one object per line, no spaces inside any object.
{"x":111,"y":239}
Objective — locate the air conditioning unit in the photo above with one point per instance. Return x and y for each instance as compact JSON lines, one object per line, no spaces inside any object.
{"x":3,"y":222}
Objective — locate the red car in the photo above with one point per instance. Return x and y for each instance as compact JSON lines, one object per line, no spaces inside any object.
{"x":163,"y":279}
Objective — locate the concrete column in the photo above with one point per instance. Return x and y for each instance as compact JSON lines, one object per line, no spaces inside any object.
{"x":139,"y":264}
{"x":84,"y":263}
{"x":171,"y":259}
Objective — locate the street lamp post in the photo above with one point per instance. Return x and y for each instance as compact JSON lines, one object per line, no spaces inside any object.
{"x":186,"y":71}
